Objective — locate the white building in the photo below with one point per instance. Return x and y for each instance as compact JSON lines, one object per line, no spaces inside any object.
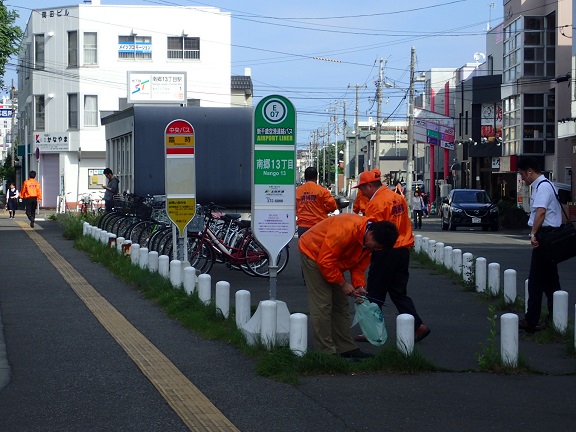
{"x":74,"y":68}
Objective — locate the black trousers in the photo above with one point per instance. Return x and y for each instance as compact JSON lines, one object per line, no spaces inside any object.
{"x":543,"y":279}
{"x":388,"y":274}
{"x":31,"y":204}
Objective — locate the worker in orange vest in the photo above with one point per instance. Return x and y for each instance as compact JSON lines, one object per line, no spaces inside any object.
{"x":31,"y":192}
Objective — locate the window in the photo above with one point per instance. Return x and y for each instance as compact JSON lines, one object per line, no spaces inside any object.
{"x":181,"y":47}
{"x":90,"y":111}
{"x":72,"y":49}
{"x":72,"y":111}
{"x":39,"y":52}
{"x":39,"y":113}
{"x":135,"y":47}
{"x":90,"y":49}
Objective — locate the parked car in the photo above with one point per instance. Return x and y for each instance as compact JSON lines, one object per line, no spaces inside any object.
{"x":469,"y":208}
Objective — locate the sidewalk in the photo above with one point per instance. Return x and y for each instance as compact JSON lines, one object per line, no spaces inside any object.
{"x":68,"y":374}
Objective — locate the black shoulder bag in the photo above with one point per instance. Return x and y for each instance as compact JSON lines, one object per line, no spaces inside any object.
{"x":560,"y":243}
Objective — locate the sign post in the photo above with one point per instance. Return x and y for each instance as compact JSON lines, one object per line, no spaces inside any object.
{"x":274,"y":176}
{"x":180,"y":181}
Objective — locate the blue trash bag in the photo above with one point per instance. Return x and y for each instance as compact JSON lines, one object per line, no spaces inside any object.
{"x":369,"y":316}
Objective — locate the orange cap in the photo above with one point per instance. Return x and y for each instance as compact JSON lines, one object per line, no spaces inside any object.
{"x":369,"y":177}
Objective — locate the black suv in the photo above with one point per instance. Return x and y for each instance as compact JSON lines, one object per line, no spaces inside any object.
{"x":469,"y":208}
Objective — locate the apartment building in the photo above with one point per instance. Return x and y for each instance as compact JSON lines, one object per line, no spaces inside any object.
{"x":81,"y":63}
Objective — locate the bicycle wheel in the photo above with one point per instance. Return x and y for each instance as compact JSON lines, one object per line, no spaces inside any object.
{"x":200,"y":253}
{"x":121,"y":227}
{"x":134,"y":231}
{"x":257,"y":259}
{"x":111,"y":221}
{"x":104,"y":219}
{"x":156,"y":238}
{"x":147,"y":232}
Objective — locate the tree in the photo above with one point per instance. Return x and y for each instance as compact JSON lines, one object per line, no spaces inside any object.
{"x":10,"y":37}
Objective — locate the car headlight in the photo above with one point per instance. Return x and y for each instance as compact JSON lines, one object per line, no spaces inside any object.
{"x":456,"y":210}
{"x":494,"y":210}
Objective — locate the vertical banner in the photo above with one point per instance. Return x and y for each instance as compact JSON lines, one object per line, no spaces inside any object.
{"x":274,"y":174}
{"x":180,"y":173}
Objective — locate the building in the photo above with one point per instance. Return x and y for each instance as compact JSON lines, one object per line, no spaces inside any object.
{"x":81,"y":63}
{"x":536,"y":94}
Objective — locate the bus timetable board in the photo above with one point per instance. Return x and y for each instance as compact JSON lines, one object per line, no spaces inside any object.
{"x":274,"y":174}
{"x":180,"y":177}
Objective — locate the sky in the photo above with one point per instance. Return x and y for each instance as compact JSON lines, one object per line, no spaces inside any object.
{"x":316,"y":52}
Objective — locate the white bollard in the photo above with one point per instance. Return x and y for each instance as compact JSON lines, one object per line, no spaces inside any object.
{"x":457,"y":261}
{"x":417,"y":243}
{"x":205,"y":288}
{"x":299,"y":333}
{"x":104,"y":237}
{"x":424,"y":248}
{"x":85,"y":228}
{"x":480,"y":274}
{"x":494,"y":278}
{"x":135,"y":253}
{"x":96,"y":233}
{"x":526,"y":295}
{"x":439,"y":253}
{"x":119,"y":243}
{"x":189,"y":280}
{"x":242,"y":298}
{"x":164,"y":265}
{"x":127,"y":247}
{"x":112,"y":240}
{"x":405,"y":333}
{"x":176,"y":273}
{"x":431,"y":249}
{"x":560,"y":312}
{"x":223,"y":297}
{"x":268,"y":328}
{"x":153,"y":261}
{"x":448,"y":257}
{"x":509,"y":286}
{"x":509,"y":339}
{"x":467,"y":260}
{"x":143,"y":258}
{"x":184,"y":265}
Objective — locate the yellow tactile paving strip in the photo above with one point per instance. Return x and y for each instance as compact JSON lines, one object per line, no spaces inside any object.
{"x":195,"y":409}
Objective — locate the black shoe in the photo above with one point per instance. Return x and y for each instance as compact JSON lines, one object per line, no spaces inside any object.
{"x":422,"y":332}
{"x":356,"y":354}
{"x":32,"y":224}
{"x":523,"y":324}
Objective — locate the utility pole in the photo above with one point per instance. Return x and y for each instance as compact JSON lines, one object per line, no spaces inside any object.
{"x":376,"y":162}
{"x":335,"y":120}
{"x":344,"y":147}
{"x":410,"y":156}
{"x":356,"y":135}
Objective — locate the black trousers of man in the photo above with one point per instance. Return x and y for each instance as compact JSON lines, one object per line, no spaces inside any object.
{"x":31,"y":204}
{"x":543,"y":279}
{"x":388,"y":274}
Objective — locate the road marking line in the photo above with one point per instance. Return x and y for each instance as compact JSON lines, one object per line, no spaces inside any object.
{"x":193,"y":407}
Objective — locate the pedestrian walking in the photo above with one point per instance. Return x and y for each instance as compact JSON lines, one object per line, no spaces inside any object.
{"x":111,"y":189}
{"x":32,"y":193}
{"x":313,"y":202}
{"x":545,"y":215}
{"x":330,"y":248}
{"x":12,"y":196}
{"x":388,"y":272}
{"x":417,"y":210}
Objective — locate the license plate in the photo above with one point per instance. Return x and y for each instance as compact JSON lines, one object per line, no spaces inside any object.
{"x":476,"y":220}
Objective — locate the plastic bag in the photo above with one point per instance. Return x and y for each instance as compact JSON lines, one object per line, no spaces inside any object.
{"x":369,"y":316}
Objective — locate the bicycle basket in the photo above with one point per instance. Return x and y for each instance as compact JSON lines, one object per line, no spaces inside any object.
{"x":197,"y":222}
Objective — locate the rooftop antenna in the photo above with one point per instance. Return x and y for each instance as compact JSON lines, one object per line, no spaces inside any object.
{"x":490,"y":7}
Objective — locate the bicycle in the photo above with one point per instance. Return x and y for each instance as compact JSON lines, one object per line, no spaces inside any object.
{"x":233,"y":241}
